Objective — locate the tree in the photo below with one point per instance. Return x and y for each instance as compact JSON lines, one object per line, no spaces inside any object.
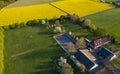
{"x":92,"y":27}
{"x":6,"y":27}
{"x":87,"y":22}
{"x":1,"y":3}
{"x":74,"y":18}
{"x":81,"y":43}
{"x":67,"y":69}
{"x":81,"y":20}
{"x":57,"y":23}
{"x":71,"y":47}
{"x":100,"y":32}
{"x":62,"y":18}
{"x":82,"y":68}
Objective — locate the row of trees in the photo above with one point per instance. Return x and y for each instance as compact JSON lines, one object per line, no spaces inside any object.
{"x":20,"y":25}
{"x":87,"y":23}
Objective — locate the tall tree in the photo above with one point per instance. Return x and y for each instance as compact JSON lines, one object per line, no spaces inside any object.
{"x":71,"y":47}
{"x":81,"y":43}
{"x":67,"y":69}
{"x":87,"y":22}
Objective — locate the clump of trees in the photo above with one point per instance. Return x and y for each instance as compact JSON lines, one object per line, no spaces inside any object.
{"x":74,"y":18}
{"x":71,"y":48}
{"x":65,"y":68}
{"x":81,"y":43}
{"x":56,"y":27}
{"x":22,"y":24}
{"x":82,"y":68}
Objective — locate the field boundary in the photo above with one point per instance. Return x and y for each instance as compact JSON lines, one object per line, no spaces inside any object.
{"x":58,"y":8}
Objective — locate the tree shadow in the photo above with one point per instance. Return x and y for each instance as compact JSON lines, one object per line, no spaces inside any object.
{"x":43,"y":33}
{"x":45,"y":68}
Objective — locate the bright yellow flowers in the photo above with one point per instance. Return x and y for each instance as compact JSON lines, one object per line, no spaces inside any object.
{"x":25,"y":13}
{"x":82,"y":7}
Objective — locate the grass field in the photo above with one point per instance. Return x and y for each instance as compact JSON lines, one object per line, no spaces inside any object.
{"x":1,"y":51}
{"x":30,"y":50}
{"x":23,"y":14}
{"x":82,"y":7}
{"x":109,"y":20}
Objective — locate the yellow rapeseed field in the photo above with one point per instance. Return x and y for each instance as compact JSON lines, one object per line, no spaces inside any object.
{"x":23,"y":14}
{"x":82,"y":7}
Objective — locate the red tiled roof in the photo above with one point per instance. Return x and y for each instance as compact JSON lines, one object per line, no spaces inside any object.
{"x":100,"y":41}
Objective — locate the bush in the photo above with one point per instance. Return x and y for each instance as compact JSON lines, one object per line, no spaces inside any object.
{"x":1,"y":3}
{"x":74,"y":18}
{"x":6,"y":27}
{"x":13,"y":26}
{"x":92,"y":27}
{"x":81,"y":20}
{"x":100,"y":32}
{"x":87,"y":22}
{"x":33,"y":22}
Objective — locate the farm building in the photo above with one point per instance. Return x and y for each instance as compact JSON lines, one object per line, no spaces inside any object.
{"x":106,"y":54}
{"x":94,"y":44}
{"x":86,"y":58}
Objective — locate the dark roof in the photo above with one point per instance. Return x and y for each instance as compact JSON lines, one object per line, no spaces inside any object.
{"x":105,"y":53}
{"x":84,"y":60}
{"x":100,"y":41}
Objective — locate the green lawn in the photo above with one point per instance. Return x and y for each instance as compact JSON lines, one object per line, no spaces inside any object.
{"x":109,"y":20}
{"x":78,"y":30}
{"x":30,"y":50}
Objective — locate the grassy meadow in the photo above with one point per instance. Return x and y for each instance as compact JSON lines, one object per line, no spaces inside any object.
{"x":1,"y":50}
{"x":30,"y":50}
{"x":108,"y":20}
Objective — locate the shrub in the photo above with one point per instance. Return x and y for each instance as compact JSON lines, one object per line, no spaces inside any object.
{"x":100,"y":32}
{"x":6,"y":27}
{"x":33,"y":22}
{"x":13,"y":26}
{"x":92,"y":27}
{"x":87,"y":22}
{"x":74,"y":17}
{"x":81,"y":20}
{"x":1,"y":3}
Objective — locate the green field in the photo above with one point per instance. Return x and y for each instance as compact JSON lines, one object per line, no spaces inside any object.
{"x":109,"y":20}
{"x":78,"y":30}
{"x":30,"y":50}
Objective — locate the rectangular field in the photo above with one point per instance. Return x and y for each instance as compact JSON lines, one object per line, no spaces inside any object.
{"x":30,"y":50}
{"x":23,"y":14}
{"x":82,"y":7}
{"x":109,"y":20}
